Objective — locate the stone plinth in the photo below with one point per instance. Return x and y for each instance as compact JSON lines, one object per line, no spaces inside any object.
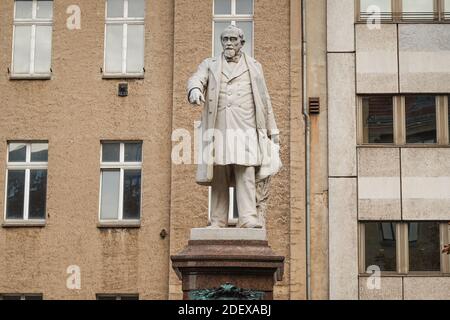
{"x":217,"y":257}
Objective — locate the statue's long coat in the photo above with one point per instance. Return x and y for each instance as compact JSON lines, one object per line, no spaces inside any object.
{"x":207,"y":78}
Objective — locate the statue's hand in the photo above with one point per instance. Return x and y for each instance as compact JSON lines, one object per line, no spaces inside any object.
{"x":196,"y":97}
{"x":275,"y":138}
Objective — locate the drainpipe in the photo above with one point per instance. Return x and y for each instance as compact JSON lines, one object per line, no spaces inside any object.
{"x":307,"y":156}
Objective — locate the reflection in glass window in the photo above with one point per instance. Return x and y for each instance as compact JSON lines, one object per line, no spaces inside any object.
{"x":420,"y":119}
{"x":378,"y":119}
{"x":124,"y":37}
{"x":380,"y":245}
{"x":424,"y":246}
{"x":235,"y":12}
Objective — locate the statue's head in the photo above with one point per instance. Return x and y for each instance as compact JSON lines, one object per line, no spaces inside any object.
{"x":232,"y":39}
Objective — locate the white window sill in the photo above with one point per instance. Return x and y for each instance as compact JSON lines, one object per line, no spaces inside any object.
{"x":30,"y":77}
{"x":123,"y":76}
{"x":119,"y":224}
{"x":23,"y":223}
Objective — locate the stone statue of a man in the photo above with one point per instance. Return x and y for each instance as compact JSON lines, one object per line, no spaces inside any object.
{"x":239,"y":134}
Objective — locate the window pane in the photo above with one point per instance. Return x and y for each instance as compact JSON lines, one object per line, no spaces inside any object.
{"x":114,"y":36}
{"x":135,"y":49}
{"x":24,"y":9}
{"x":247,"y":27}
{"x":39,"y":152}
{"x":218,"y":29}
{"x":115,"y":9}
{"x":420,"y":119}
{"x":371,"y":8}
{"x":38,"y":194}
{"x":133,"y":152}
{"x":235,"y":206}
{"x":380,"y":245}
{"x":136,"y":8}
{"x":129,"y":297}
{"x":132,"y":194}
{"x":111,"y":152}
{"x":424,"y":246}
{"x":22,"y":49}
{"x":15,"y":194}
{"x":418,"y":9}
{"x":222,"y":6}
{"x":43,"y":52}
{"x":17,"y":152}
{"x":378,"y":120}
{"x":244,"y":6}
{"x":44,"y":9}
{"x":110,"y":195}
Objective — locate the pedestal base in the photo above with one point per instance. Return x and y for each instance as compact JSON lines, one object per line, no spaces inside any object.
{"x":228,"y":264}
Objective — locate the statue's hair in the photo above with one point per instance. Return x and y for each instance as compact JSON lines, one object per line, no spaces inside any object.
{"x":234,"y":28}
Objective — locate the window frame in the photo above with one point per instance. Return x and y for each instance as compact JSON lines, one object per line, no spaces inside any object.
{"x":33,"y":22}
{"x":402,"y":250}
{"x":122,"y":165}
{"x":399,"y":107}
{"x":233,"y":17}
{"x":232,"y":221}
{"x":124,"y":22}
{"x":27,"y":166}
{"x":397,"y":14}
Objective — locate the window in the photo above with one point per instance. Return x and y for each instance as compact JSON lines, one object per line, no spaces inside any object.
{"x":420,"y":114}
{"x":404,"y":247}
{"x":381,"y":9}
{"x":233,"y":213}
{"x":117,"y":297}
{"x":418,"y":9}
{"x":235,"y":12}
{"x":26,"y":181}
{"x":120,"y":181}
{"x":20,"y":296}
{"x":32,"y":40}
{"x":378,"y":119}
{"x":124,"y":38}
{"x":418,"y":119}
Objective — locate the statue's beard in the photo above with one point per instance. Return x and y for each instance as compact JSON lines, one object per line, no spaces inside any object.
{"x":229,"y":53}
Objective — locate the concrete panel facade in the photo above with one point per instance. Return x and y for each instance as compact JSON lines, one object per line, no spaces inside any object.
{"x":427,"y":288}
{"x":391,"y":288}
